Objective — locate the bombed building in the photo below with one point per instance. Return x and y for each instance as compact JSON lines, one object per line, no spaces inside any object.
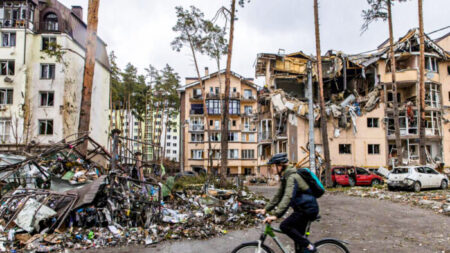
{"x":358,"y":100}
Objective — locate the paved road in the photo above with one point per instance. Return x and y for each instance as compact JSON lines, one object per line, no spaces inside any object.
{"x":369,"y":225}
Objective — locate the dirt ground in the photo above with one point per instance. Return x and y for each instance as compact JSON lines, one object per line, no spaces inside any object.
{"x":369,"y":225}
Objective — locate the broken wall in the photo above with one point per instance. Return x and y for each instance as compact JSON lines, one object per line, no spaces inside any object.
{"x":359,"y":142}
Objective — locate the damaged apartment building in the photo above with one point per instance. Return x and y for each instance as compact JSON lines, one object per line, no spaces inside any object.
{"x":42,"y":56}
{"x":358,"y":101}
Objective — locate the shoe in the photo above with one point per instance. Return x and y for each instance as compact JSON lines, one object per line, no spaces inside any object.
{"x":310,"y":251}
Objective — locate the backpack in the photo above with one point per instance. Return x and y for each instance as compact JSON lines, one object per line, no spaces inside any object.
{"x":316,"y":187}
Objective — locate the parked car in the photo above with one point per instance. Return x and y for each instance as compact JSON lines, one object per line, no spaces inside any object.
{"x":416,"y":178}
{"x":349,"y":175}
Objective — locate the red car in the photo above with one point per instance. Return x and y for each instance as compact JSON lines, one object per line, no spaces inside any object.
{"x":349,"y":175}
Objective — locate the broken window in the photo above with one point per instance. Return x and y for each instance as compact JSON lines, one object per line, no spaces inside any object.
{"x":6,"y":96}
{"x":374,"y":149}
{"x":7,"y":67}
{"x":390,"y":97}
{"x":47,"y":71}
{"x":5,"y":129}
{"x":45,"y":126}
{"x":48,"y":43}
{"x":431,"y":64}
{"x":47,"y":98}
{"x":8,"y":39}
{"x":372,"y":122}
{"x":345,"y":148}
{"x":432,"y":95}
{"x":248,"y":154}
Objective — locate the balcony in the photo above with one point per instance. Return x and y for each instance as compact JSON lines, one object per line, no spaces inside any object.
{"x":13,"y":23}
{"x":248,"y":114}
{"x":264,"y":136}
{"x":196,"y":127}
{"x":248,"y":98}
{"x":213,"y":96}
{"x":235,"y":95}
{"x":196,"y":98}
{"x":196,"y":112}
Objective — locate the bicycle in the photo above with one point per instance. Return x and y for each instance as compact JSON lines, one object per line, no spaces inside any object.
{"x":324,"y":245}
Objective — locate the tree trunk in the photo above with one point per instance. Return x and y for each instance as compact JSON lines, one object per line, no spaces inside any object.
{"x":422,"y":154}
{"x":323,"y":119}
{"x":225,"y":113}
{"x":205,"y":113}
{"x":91,"y":44}
{"x":398,"y":142}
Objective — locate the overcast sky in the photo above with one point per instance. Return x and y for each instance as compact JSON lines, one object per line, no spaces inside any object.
{"x":140,"y":31}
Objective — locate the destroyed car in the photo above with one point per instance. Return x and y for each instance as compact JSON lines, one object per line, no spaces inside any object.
{"x":416,"y":178}
{"x":351,"y":176}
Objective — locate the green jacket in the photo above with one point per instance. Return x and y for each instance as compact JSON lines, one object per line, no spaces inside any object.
{"x":283,"y":197}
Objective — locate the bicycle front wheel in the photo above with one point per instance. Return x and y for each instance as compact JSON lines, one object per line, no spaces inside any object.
{"x":252,"y":247}
{"x":330,"y":246}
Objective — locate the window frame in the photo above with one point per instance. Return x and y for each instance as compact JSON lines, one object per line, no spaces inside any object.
{"x":345,"y":149}
{"x":373,"y":149}
{"x":48,"y":46}
{"x":8,"y":96}
{"x":47,"y":93}
{"x":46,"y":121}
{"x":51,"y":71}
{"x":8,"y":64}
{"x":9,"y":39}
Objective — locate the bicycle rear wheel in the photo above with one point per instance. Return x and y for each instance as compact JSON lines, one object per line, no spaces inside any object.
{"x":330,"y":246}
{"x":251,"y":247}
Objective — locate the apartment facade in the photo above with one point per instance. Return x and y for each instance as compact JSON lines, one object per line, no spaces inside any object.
{"x":194,"y":122}
{"x":359,"y":105}
{"x":42,"y":54}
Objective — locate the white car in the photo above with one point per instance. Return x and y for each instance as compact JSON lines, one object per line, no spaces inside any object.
{"x":416,"y":178}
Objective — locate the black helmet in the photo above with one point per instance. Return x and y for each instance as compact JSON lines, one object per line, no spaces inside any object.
{"x":280,"y":158}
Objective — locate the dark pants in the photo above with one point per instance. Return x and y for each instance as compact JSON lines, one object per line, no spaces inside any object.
{"x":294,"y":226}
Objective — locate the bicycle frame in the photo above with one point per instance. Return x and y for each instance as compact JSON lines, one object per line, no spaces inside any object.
{"x":270,"y":231}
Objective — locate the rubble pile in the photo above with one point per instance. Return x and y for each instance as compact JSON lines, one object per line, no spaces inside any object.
{"x":60,"y":199}
{"x":437,"y":200}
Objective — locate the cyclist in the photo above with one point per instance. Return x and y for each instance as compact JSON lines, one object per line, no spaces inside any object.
{"x":293,"y":192}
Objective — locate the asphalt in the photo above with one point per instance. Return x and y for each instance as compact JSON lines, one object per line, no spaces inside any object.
{"x":369,"y":225}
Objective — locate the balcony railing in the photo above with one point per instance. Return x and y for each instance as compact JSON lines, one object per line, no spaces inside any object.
{"x":196,"y":127}
{"x":213,"y":96}
{"x":235,"y":95}
{"x":196,"y":112}
{"x":248,"y":98}
{"x":196,"y":97}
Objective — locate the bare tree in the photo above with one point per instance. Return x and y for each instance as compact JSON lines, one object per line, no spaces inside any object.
{"x":381,"y":9}
{"x":190,"y":29}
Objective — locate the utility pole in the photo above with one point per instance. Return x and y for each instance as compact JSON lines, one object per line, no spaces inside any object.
{"x":323,"y":119}
{"x":422,"y":154}
{"x":312,"y":152}
{"x":91,"y":45}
